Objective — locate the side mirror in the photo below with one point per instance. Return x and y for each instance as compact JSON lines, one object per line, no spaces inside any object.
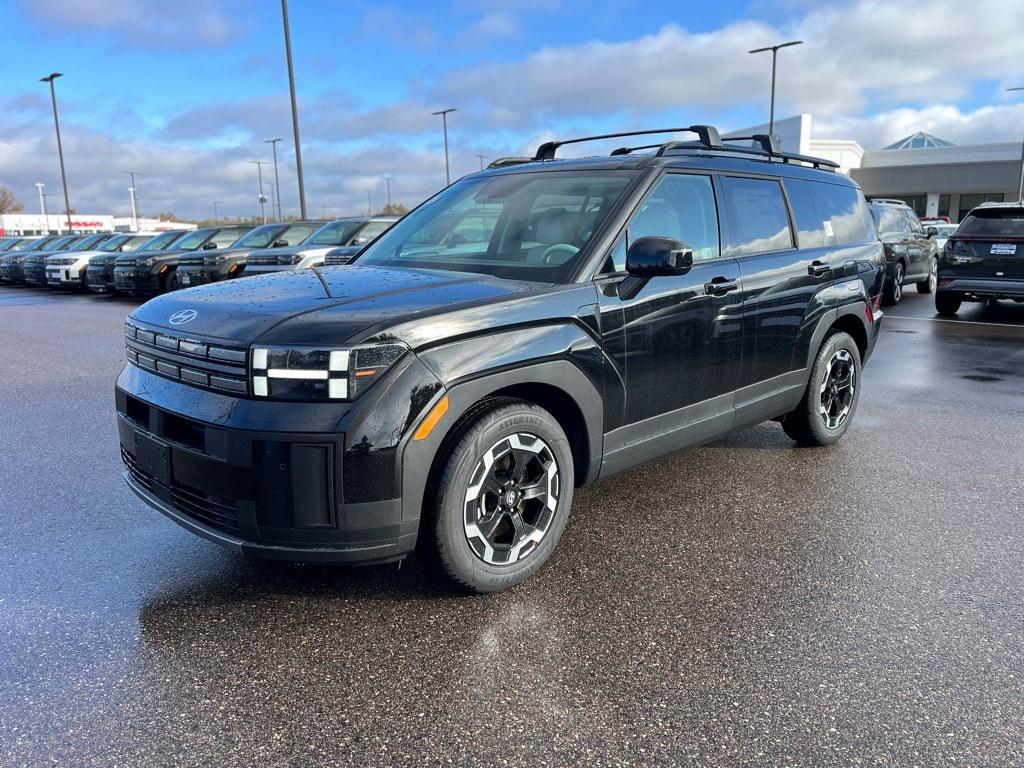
{"x":458,"y":238}
{"x":932,"y":231}
{"x":280,"y":244}
{"x":651,"y":256}
{"x":209,"y":246}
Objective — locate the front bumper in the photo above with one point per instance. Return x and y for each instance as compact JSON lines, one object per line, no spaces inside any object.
{"x":100,"y":279}
{"x":981,"y":288}
{"x":35,"y":275}
{"x":136,"y":280}
{"x":258,"y":490}
{"x":63,"y":277}
{"x":190,"y":276}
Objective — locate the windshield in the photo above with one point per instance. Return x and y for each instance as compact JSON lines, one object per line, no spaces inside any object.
{"x":994,"y":222}
{"x":298,"y":233}
{"x":87,"y":243}
{"x":161,"y":241}
{"x":30,"y":245}
{"x":57,"y":245}
{"x":114,"y":243}
{"x":336,"y":233}
{"x":195,"y":239}
{"x":527,"y":226}
{"x":260,"y":237}
{"x":133,"y":243}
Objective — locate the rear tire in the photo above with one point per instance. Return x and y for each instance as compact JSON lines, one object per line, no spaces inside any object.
{"x":502,"y":490}
{"x":833,"y":391}
{"x":893,"y":292}
{"x":928,"y":285}
{"x":947,"y":303}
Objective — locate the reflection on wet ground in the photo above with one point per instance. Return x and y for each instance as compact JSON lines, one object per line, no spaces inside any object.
{"x":747,"y":603}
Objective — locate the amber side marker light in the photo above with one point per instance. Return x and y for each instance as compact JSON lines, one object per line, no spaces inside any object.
{"x":435,"y":415}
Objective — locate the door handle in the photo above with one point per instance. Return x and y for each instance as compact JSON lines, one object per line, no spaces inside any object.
{"x":719,"y":286}
{"x":818,"y":268}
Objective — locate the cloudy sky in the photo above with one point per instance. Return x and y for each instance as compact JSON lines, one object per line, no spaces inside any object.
{"x":185,"y":92}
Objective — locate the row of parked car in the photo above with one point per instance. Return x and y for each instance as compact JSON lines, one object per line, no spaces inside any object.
{"x":149,"y":263}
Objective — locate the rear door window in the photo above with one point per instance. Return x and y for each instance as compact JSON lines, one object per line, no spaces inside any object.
{"x":809,"y":227}
{"x":846,"y":215}
{"x":759,"y":215}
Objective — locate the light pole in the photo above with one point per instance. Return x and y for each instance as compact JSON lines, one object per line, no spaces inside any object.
{"x":775,"y":54}
{"x":387,"y":180}
{"x":1020,"y":191}
{"x":263,"y":198}
{"x":295,"y":108}
{"x":482,"y":158}
{"x":216,"y":217}
{"x":277,"y":180}
{"x":42,"y":203}
{"x":60,"y":148}
{"x":135,"y":201}
{"x":444,"y":122}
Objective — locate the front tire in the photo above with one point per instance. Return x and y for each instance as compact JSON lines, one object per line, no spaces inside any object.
{"x":503,"y":490}
{"x":893,"y":293}
{"x":833,"y":391}
{"x":928,"y":285}
{"x":947,"y":303}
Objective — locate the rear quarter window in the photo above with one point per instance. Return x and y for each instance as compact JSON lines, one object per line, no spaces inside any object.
{"x":845,"y":214}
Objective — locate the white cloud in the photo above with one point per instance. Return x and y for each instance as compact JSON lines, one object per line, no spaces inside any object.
{"x":136,"y":23}
{"x":984,"y":125}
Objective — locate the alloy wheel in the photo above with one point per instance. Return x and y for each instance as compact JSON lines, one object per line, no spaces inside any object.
{"x":897,"y":288}
{"x":511,"y":499}
{"x":838,"y":386}
{"x":933,"y":276}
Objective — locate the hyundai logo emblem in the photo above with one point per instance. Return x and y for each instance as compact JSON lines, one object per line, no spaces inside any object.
{"x":183,"y":316}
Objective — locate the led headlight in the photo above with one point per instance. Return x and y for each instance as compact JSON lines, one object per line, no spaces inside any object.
{"x":301,"y":373}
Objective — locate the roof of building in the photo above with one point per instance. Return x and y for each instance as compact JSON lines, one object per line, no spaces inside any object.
{"x":920,"y":140}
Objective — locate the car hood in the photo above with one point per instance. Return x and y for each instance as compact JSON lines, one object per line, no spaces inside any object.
{"x":332,"y":305}
{"x":291,"y":250}
{"x":130,"y":258}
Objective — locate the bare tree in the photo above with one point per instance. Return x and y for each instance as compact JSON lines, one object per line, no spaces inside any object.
{"x":8,"y":202}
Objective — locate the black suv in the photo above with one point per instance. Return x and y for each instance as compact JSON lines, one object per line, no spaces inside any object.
{"x":611,"y":311}
{"x":201,"y":267}
{"x":13,"y":263}
{"x":148,"y":272}
{"x":911,"y":254}
{"x":99,"y":275}
{"x":984,"y":259}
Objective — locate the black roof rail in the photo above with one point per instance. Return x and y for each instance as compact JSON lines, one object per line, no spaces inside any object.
{"x":771,"y":148}
{"x":707,"y":134}
{"x":503,"y":162}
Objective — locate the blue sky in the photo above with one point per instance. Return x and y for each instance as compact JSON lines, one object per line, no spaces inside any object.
{"x":185,"y":92}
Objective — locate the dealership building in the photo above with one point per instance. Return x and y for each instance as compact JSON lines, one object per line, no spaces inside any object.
{"x":935,"y":177}
{"x":38,"y":224}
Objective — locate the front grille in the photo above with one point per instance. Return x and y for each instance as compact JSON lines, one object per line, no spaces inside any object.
{"x":218,"y":512}
{"x":263,"y":259}
{"x":196,"y":363}
{"x":142,"y":477}
{"x":190,"y":260}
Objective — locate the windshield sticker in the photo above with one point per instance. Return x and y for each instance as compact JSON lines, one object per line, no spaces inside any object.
{"x":1003,"y":249}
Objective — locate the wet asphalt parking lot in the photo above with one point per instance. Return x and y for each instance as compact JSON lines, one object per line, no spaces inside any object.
{"x":746,"y":603}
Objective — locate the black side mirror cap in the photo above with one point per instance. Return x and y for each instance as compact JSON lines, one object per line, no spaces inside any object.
{"x":652,"y":256}
{"x":209,"y":246}
{"x":932,"y":231}
{"x":280,"y":244}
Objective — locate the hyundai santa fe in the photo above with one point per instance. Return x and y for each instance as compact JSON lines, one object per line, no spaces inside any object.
{"x":449,"y":394}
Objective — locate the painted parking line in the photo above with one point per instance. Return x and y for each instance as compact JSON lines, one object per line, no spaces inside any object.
{"x":955,"y":322}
